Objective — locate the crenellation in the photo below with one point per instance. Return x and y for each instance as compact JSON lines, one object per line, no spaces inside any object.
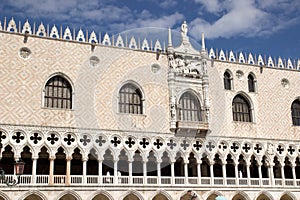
{"x":66,"y":34}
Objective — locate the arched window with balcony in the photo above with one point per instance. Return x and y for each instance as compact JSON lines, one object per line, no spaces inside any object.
{"x":296,"y":112}
{"x":189,"y":107}
{"x":130,"y":99}
{"x":58,"y":93}
{"x":241,"y":109}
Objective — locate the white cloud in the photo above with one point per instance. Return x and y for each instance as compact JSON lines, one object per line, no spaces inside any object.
{"x":241,"y":18}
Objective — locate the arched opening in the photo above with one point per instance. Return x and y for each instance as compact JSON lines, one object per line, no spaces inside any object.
{"x":43,"y":162}
{"x":253,"y":167}
{"x":288,"y":171}
{"x":151,"y":165}
{"x":264,"y":167}
{"x":179,"y":165}
{"x":68,"y":197}
{"x":7,"y":161}
{"x":100,"y":197}
{"x":217,"y":166}
{"x":26,"y":157}
{"x":286,"y":197}
{"x":192,"y":166}
{"x":277,"y":168}
{"x":212,"y":197}
{"x":92,"y":163}
{"x":296,"y":112}
{"x":205,"y":167}
{"x":238,"y":197}
{"x":263,"y":197}
{"x":60,"y":162}
{"x":131,"y":197}
{"x":227,"y":81}
{"x":33,"y":197}
{"x":165,"y":165}
{"x":123,"y":168}
{"x":76,"y":162}
{"x":251,"y":83}
{"x":230,"y":167}
{"x":137,"y":164}
{"x":108,"y":164}
{"x":160,"y":197}
{"x":297,"y":168}
{"x":242,"y":167}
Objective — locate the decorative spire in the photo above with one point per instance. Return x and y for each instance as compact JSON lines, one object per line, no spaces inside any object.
{"x":203,"y":42}
{"x":170,"y":38}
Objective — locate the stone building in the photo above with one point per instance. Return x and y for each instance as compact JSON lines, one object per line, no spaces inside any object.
{"x":103,"y":118}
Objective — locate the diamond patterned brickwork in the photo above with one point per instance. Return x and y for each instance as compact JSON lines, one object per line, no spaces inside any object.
{"x":271,"y":103}
{"x":95,"y":86}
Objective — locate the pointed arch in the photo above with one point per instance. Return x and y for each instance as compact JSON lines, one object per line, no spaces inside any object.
{"x":161,"y":195}
{"x":264,"y":195}
{"x":132,"y":195}
{"x":228,"y":79}
{"x":295,"y":111}
{"x":33,"y":194}
{"x":252,"y":82}
{"x":288,"y":196}
{"x":68,"y":195}
{"x":240,"y":195}
{"x":105,"y":195}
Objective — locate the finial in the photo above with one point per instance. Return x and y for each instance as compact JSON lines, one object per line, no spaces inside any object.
{"x":169,"y":38}
{"x":203,"y":42}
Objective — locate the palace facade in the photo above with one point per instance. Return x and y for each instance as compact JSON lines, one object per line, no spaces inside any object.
{"x":104,"y":118}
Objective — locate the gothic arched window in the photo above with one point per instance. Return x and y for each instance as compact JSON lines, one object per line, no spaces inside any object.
{"x":296,"y":112}
{"x":227,"y":81}
{"x":130,"y":99}
{"x":241,"y":110}
{"x":190,"y":109}
{"x":251,"y":83}
{"x":58,"y":93}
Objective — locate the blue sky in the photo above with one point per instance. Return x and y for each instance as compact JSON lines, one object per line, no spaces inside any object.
{"x":267,"y":27}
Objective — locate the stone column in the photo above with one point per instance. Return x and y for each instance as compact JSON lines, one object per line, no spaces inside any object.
{"x":186,"y":175}
{"x":51,"y":170}
{"x":211,"y":166}
{"x":271,"y":174}
{"x":115,"y":171}
{"x":100,"y":171}
{"x":158,"y":172}
{"x":199,"y":171}
{"x":224,"y":173}
{"x":294,"y":173}
{"x":236,"y":173}
{"x":248,"y":173}
{"x":130,"y":172}
{"x":145,"y":171}
{"x":68,"y":170}
{"x":259,"y":174}
{"x":84,"y":163}
{"x":172,"y":173}
{"x":34,"y":164}
{"x":282,"y":174}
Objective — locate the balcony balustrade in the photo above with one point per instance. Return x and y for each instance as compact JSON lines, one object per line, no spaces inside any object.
{"x":94,"y":180}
